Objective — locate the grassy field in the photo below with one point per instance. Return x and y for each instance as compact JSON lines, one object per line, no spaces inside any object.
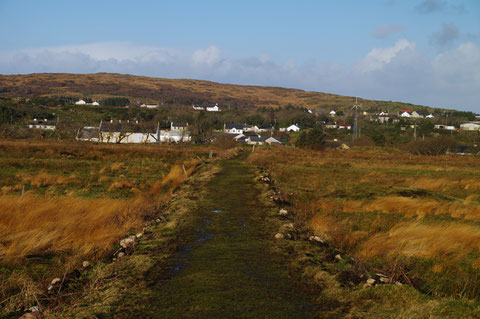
{"x":64,"y":202}
{"x":414,"y":219}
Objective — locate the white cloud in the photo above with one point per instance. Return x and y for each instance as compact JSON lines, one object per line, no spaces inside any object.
{"x":399,"y":72}
{"x":377,"y":58}
{"x":209,"y":56}
{"x":459,"y":68}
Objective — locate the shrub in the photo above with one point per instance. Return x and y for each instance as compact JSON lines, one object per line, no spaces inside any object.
{"x":434,"y":147}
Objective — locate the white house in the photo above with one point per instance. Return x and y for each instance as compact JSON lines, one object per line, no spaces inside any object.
{"x":95,"y":103}
{"x":178,"y":126}
{"x":344,"y":127}
{"x":383,"y":117}
{"x":126,"y":132}
{"x":231,"y":128}
{"x":213,"y":108}
{"x":293,"y":128}
{"x":264,"y":128}
{"x":149,"y":106}
{"x":410,"y":114}
{"x":444,"y":127}
{"x":255,"y":140}
{"x":81,"y":102}
{"x":429,"y":116}
{"x":472,"y":126}
{"x":331,"y":125}
{"x":43,"y":124}
{"x":273,"y":141}
{"x":175,"y":136}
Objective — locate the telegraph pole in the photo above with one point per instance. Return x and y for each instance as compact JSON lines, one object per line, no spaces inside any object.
{"x":355,"y":123}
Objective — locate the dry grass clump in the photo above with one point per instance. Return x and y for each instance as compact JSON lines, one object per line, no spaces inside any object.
{"x":32,"y":225}
{"x":45,"y":179}
{"x":119,"y":184}
{"x":421,"y":207}
{"x":443,"y":184}
{"x":453,"y":242}
{"x":36,"y":225}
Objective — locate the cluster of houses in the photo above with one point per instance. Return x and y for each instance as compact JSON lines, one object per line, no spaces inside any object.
{"x":134,"y":132}
{"x":82,"y":102}
{"x":213,"y":108}
{"x":43,"y":124}
{"x":256,"y":134}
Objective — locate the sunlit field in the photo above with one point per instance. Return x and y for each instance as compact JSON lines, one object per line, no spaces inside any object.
{"x":415,"y":219}
{"x":62,"y":203}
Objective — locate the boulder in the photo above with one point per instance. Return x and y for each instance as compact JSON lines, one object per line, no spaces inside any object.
{"x":128,"y":243}
{"x":338,"y":257}
{"x":316,"y":239}
{"x":370,"y":281}
{"x":283,"y":212}
{"x":139,"y":235}
{"x":86,"y":264}
{"x":288,"y":225}
{"x":279,"y":236}
{"x":121,"y":254}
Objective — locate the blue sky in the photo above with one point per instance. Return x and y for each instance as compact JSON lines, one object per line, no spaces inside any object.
{"x":425,"y":51}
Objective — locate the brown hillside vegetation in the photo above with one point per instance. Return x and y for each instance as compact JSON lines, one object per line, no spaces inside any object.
{"x":179,"y":91}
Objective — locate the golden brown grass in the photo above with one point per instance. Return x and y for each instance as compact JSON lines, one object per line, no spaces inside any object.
{"x":36,"y":225}
{"x":78,"y":226}
{"x":45,"y":179}
{"x":389,"y":210}
{"x":452,"y":241}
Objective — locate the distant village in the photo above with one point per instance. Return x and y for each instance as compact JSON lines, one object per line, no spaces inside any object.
{"x":133,"y":131}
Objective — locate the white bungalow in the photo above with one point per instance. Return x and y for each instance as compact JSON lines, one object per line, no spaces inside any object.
{"x":149,"y":106}
{"x":81,"y":102}
{"x":126,"y":132}
{"x":178,"y":126}
{"x":293,"y":128}
{"x":444,"y":127}
{"x":213,"y":108}
{"x":95,"y":103}
{"x":472,"y":126}
{"x":429,"y":116}
{"x":273,"y":141}
{"x":231,"y":128}
{"x":344,"y":127}
{"x":176,"y":136}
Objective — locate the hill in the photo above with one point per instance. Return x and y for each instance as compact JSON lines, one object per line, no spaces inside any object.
{"x":178,"y":91}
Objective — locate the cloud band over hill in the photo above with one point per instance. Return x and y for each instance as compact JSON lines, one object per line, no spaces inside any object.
{"x":399,"y":72}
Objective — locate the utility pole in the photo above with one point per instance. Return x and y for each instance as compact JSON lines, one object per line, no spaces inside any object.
{"x":355,"y":123}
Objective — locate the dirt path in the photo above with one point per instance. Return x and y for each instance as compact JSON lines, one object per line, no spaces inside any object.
{"x":225,"y":269}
